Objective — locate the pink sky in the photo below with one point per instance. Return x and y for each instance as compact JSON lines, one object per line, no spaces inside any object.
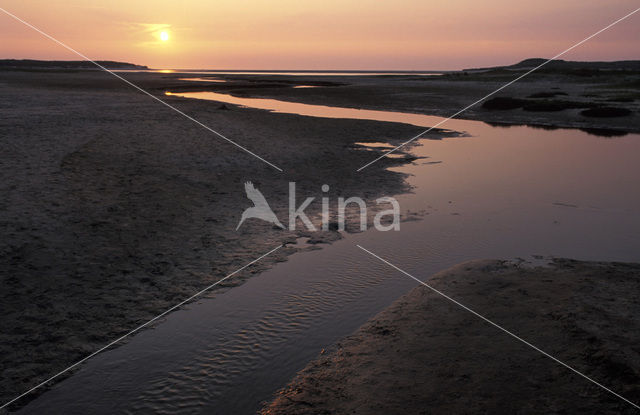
{"x":327,"y":34}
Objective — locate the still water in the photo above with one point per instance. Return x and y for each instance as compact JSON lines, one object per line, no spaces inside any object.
{"x":496,"y":192}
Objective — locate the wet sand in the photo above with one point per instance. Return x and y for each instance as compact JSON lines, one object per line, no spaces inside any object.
{"x":114,"y":208}
{"x":425,"y":354}
{"x":446,"y":95}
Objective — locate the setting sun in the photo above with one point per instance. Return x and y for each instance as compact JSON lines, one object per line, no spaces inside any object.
{"x":164,"y":36}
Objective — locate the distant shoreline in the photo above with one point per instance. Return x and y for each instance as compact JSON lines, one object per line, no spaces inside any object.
{"x":45,"y":64}
{"x":559,"y":64}
{"x":526,"y":64}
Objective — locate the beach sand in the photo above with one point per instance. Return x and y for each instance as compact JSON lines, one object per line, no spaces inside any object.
{"x":115,"y":208}
{"x":425,"y":354}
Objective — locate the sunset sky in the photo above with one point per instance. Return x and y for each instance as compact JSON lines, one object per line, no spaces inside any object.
{"x":327,"y":34}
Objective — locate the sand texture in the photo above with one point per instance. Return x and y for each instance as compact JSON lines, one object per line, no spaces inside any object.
{"x":426,"y":355}
{"x":114,"y":208}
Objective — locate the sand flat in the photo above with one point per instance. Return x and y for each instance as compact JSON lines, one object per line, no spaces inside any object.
{"x":425,"y":354}
{"x":114,"y":208}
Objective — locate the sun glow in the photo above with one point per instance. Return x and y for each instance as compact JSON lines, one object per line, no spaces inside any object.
{"x":318,"y":34}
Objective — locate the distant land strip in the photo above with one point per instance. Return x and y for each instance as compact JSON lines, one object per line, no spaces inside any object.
{"x":631,"y":65}
{"x":40,"y":64}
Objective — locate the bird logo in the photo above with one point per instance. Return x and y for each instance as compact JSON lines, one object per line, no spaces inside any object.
{"x":260,"y":209}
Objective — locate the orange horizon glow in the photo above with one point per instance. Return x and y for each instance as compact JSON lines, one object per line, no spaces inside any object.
{"x":317,"y":35}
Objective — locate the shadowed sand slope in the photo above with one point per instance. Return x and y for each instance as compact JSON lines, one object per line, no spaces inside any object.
{"x":425,"y":354}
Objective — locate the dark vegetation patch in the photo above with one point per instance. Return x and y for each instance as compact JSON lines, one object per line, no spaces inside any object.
{"x":604,"y":132}
{"x":606,"y":112}
{"x":554,"y":105}
{"x":543,"y":127}
{"x":499,"y":124}
{"x":599,"y":132}
{"x":504,"y":103}
{"x":509,"y":103}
